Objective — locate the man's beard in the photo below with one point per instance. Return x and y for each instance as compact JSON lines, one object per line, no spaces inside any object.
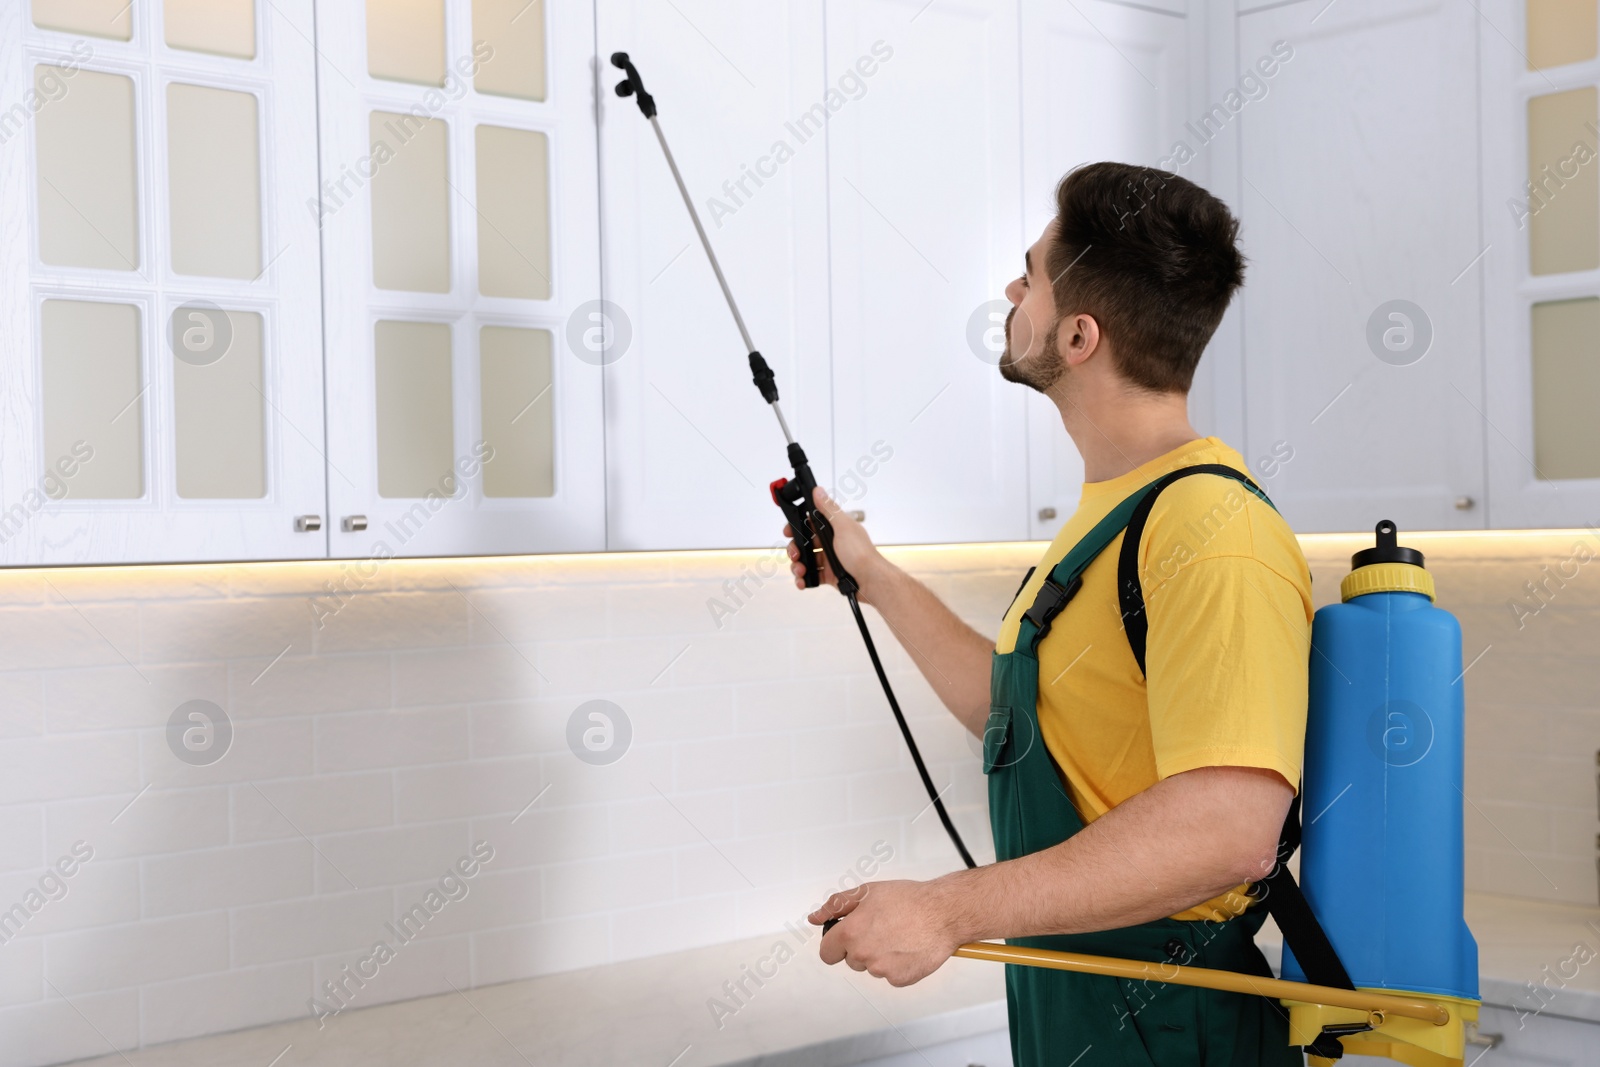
{"x":1039,"y":371}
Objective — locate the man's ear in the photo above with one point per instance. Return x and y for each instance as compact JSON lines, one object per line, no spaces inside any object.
{"x":1078,"y":339}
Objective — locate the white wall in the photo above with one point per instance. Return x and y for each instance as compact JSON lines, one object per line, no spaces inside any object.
{"x":432,"y":707}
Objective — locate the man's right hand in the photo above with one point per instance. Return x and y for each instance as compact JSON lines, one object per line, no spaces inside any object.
{"x":857,"y":554}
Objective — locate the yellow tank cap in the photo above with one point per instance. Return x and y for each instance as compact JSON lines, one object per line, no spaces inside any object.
{"x":1386,"y":578}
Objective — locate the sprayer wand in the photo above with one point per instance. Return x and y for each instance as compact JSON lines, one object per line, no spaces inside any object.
{"x":795,"y":496}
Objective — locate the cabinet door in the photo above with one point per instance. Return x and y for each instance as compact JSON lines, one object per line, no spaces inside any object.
{"x":162,"y":372}
{"x":691,"y":444}
{"x":1134,"y":64}
{"x":461,"y":248}
{"x":1363,"y":358}
{"x":926,"y":224}
{"x":1542,"y":307}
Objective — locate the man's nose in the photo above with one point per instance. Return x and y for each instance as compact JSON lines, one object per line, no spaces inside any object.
{"x":1014,"y":291}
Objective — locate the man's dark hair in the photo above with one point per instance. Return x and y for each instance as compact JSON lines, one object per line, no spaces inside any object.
{"x":1153,"y":258}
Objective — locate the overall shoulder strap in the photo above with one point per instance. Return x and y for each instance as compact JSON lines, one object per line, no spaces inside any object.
{"x":1066,"y":577}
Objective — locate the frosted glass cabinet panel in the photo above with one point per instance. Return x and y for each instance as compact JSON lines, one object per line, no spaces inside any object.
{"x":410,"y":203}
{"x":87,"y":169}
{"x":214,"y":181}
{"x":98,"y":18}
{"x":1541,"y":276}
{"x":405,"y":40}
{"x":513,"y":33}
{"x":1566,"y":384}
{"x":1560,"y":32}
{"x":218,"y":418}
{"x":162,"y":289}
{"x":221,"y":27}
{"x":415,"y":425}
{"x":517,"y":424}
{"x":1564,"y":233}
{"x":460,"y":229}
{"x":93,"y":397}
{"x":513,"y":213}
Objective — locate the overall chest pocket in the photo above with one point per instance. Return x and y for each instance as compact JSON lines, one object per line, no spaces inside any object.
{"x":996,"y":737}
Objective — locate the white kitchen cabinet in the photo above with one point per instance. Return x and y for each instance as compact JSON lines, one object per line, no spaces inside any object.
{"x":160,"y":349}
{"x":1539,"y":478}
{"x":460,"y":225}
{"x":1135,"y":64}
{"x":926,"y":226}
{"x":1362,"y":312}
{"x":691,"y":446}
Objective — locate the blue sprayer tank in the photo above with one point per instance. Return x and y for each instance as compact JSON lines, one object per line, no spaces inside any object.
{"x":1381,"y":856}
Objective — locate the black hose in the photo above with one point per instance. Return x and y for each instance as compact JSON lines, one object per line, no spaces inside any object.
{"x":905,"y":732}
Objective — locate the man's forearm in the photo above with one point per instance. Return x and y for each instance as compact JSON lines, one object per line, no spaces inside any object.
{"x":1189,"y":838}
{"x":951,"y":655}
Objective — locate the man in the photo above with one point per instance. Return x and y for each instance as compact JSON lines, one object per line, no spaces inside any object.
{"x":1132,"y":801}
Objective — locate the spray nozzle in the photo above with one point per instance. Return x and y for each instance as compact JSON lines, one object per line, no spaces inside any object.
{"x":633,"y":85}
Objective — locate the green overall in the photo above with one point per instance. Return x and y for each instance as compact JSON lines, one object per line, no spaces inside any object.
{"x":1061,"y":1018}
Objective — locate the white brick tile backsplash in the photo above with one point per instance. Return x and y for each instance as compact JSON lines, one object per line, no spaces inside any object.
{"x":227,"y":877}
{"x":543,"y":836}
{"x":300,"y":684}
{"x":432,"y":707}
{"x":215,"y":1003}
{"x":113,"y":698}
{"x":607,"y":884}
{"x":54,"y":1031}
{"x":68,"y":766}
{"x":527,"y":951}
{"x":806,"y":704}
{"x":672,"y":927}
{"x":21,"y":837}
{"x":463,"y":790}
{"x":305,"y":929}
{"x":393,"y":738}
{"x":673,"y":820}
{"x":261,"y":749}
{"x":464,"y":675}
{"x":220,"y":629}
{"x":493,"y":898}
{"x":68,"y":635}
{"x":731,"y":762}
{"x":100,"y":893}
{"x":142,"y":824}
{"x":154,"y":950}
{"x":393,"y":621}
{"x":388,"y":856}
{"x":21,"y":703}
{"x":520,"y":728}
{"x":419,"y":968}
{"x":535,"y":615}
{"x":22,"y":971}
{"x":324,"y":804}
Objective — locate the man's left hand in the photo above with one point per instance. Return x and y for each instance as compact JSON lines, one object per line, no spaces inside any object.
{"x":901,"y":931}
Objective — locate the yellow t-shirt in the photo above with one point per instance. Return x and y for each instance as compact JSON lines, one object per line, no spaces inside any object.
{"x":1228,"y":602}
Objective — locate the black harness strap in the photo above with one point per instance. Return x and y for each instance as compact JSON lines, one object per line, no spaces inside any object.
{"x":1278,"y":891}
{"x":1134,"y":621}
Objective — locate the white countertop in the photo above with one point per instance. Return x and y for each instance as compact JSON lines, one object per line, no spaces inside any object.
{"x":654,"y":1011}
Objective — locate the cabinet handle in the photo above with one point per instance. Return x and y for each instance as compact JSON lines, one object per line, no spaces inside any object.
{"x":1464,"y":503}
{"x":1046,"y":514}
{"x":307,"y":523}
{"x":353,"y":523}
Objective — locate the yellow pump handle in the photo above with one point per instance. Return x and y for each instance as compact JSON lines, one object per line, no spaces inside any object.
{"x":1375,"y":1004}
